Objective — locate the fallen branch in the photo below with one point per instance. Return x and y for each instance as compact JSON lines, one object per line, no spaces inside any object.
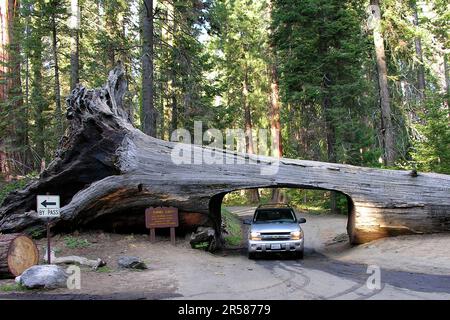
{"x":94,"y":264}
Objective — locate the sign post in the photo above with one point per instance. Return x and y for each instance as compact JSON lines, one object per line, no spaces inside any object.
{"x":161,"y":217}
{"x":47,"y":208}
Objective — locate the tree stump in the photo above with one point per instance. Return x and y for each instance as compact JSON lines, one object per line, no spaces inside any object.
{"x":18,"y":252}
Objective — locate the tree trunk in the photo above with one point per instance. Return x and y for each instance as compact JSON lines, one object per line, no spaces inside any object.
{"x":275,"y":110}
{"x":16,"y":142}
{"x":37,"y":94}
{"x":149,"y":113}
{"x":252,"y":194}
{"x":275,"y":126}
{"x":387,"y":129}
{"x":107,"y":173}
{"x":419,"y":54}
{"x":447,"y":83}
{"x":75,"y":20}
{"x":59,"y":114}
{"x":17,"y":253}
{"x":330,"y":133}
{"x":174,"y":120}
{"x":4,"y":52}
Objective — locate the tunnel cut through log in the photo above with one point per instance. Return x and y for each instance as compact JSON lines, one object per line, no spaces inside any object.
{"x":107,"y":170}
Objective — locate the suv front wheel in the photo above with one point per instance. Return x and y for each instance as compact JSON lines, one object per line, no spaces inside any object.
{"x":252,"y":255}
{"x":299,"y":254}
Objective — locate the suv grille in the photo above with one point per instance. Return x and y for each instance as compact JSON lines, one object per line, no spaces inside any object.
{"x":275,"y":236}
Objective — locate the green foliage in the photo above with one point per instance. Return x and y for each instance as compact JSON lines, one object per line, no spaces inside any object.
{"x":312,"y":201}
{"x":12,"y":287}
{"x":76,"y":243}
{"x":235,"y":198}
{"x":104,"y":269}
{"x":433,"y":152}
{"x":321,"y":48}
{"x":37,"y":234}
{"x":204,"y":50}
{"x":14,"y":185}
{"x":233,"y":226}
{"x":201,"y":245}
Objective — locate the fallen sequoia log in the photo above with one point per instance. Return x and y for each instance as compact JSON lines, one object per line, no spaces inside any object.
{"x":107,"y":172}
{"x":17,"y":253}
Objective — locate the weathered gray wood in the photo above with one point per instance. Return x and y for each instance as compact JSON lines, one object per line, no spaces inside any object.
{"x":108,"y":172}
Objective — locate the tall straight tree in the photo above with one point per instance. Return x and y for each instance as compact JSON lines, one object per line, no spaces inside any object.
{"x":274,"y":104}
{"x":74,"y":24}
{"x":39,"y":102}
{"x":149,"y":113}
{"x":419,"y":54}
{"x":11,"y":97}
{"x":253,"y":194}
{"x":55,"y":8}
{"x":387,"y":129}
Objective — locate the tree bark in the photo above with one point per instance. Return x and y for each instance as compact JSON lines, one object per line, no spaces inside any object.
{"x":387,"y":129}
{"x":252,"y":194}
{"x":275,"y":123}
{"x":4,"y":52}
{"x":274,"y":108}
{"x":149,"y":114}
{"x":37,"y":93}
{"x":330,"y":132}
{"x":447,"y":83}
{"x":15,"y":139}
{"x":59,"y":115}
{"x":107,"y":173}
{"x":75,"y":20}
{"x":419,"y":54}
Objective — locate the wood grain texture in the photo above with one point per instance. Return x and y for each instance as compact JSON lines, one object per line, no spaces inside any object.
{"x":108,"y":172}
{"x":18,"y":252}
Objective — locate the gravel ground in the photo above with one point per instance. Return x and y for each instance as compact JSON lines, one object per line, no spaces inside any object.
{"x":411,"y":267}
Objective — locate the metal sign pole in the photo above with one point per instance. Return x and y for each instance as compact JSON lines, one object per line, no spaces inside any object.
{"x":48,"y":207}
{"x":48,"y":242}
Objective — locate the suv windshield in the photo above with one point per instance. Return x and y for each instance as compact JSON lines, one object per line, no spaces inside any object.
{"x":274,"y":215}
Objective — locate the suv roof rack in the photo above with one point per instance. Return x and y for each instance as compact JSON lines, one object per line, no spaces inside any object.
{"x":274,"y":204}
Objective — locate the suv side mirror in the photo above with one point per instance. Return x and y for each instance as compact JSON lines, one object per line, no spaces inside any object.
{"x":247,"y":221}
{"x":301,"y":220}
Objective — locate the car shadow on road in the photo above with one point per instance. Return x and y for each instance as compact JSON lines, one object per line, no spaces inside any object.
{"x":358,"y":272}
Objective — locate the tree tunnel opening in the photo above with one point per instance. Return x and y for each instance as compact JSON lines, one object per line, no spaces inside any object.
{"x":308,"y":202}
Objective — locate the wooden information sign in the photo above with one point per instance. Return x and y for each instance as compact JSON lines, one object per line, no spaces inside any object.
{"x":161,"y":217}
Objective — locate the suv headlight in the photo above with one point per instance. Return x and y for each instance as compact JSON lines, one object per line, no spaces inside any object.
{"x":255,"y":236}
{"x":297,"y":235}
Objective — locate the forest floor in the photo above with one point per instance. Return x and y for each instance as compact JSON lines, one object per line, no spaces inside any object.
{"x":412,"y":267}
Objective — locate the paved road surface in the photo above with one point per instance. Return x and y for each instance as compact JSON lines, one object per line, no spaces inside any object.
{"x":315,"y":277}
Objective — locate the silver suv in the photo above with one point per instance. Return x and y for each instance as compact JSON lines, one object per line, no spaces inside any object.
{"x":275,"y":228}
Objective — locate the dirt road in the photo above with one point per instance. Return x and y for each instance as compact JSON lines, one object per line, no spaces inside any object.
{"x":410,"y":267}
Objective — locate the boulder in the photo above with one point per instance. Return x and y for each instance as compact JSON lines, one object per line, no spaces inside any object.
{"x":202,"y":235}
{"x":131,"y":263}
{"x":43,"y":276}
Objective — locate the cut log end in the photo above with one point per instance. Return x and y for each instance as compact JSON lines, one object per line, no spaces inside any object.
{"x":18,"y":252}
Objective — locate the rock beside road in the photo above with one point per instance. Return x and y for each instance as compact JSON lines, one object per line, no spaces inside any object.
{"x":43,"y":276}
{"x":203,"y":234}
{"x":131,"y":263}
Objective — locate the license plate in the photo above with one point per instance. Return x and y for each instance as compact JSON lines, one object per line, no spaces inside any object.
{"x":275,"y":246}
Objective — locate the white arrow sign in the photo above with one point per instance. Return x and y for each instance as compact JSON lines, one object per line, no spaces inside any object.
{"x":48,"y":206}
